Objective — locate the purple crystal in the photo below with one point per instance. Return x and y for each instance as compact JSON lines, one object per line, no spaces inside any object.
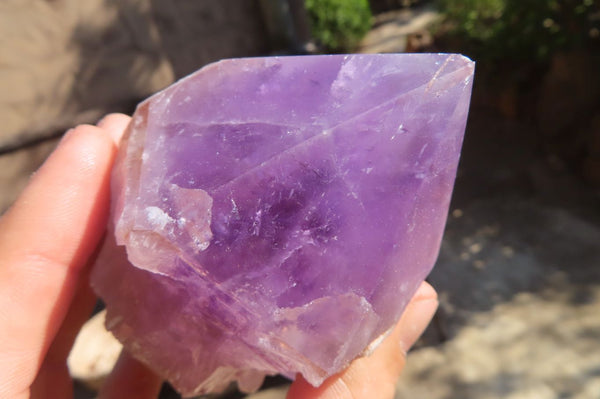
{"x":275,"y":215}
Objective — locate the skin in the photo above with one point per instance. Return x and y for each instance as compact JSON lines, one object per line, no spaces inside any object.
{"x":48,"y":241}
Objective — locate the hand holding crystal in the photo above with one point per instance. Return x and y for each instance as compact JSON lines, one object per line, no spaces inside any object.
{"x":48,"y":240}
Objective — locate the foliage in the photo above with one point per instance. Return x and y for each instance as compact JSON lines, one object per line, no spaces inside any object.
{"x":339,"y":24}
{"x":523,"y":29}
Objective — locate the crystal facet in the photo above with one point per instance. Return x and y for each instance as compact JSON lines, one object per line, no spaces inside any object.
{"x":275,"y":215}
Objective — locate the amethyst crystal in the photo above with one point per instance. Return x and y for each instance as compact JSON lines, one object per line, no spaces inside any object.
{"x":275,"y":215}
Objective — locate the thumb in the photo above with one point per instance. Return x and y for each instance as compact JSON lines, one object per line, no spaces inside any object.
{"x":375,"y":376}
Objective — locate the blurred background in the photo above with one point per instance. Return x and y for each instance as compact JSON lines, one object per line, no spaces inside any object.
{"x":519,"y":270}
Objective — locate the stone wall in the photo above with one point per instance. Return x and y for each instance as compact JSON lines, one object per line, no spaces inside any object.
{"x":64,"y":62}
{"x":68,"y":61}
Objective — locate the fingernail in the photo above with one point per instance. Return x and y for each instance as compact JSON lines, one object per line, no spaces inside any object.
{"x":415,"y":320}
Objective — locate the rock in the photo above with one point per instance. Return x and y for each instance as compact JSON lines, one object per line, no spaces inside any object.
{"x":271,"y":393}
{"x":400,"y":31}
{"x":279,"y":213}
{"x":94,"y":353}
{"x":419,"y":42}
{"x":65,"y":62}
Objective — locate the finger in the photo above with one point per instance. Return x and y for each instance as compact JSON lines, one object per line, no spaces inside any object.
{"x":417,"y":316}
{"x":45,"y":239}
{"x":130,"y":379}
{"x":54,"y":374}
{"x":115,"y":124}
{"x":375,"y":376}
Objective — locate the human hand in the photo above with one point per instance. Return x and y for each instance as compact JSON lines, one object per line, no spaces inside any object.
{"x":46,"y":241}
{"x":47,"y":244}
{"x":375,"y":376}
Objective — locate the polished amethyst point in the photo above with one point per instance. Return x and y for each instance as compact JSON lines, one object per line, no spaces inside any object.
{"x":275,"y":215}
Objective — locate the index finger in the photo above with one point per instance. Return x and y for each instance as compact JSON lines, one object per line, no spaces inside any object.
{"x":45,"y":239}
